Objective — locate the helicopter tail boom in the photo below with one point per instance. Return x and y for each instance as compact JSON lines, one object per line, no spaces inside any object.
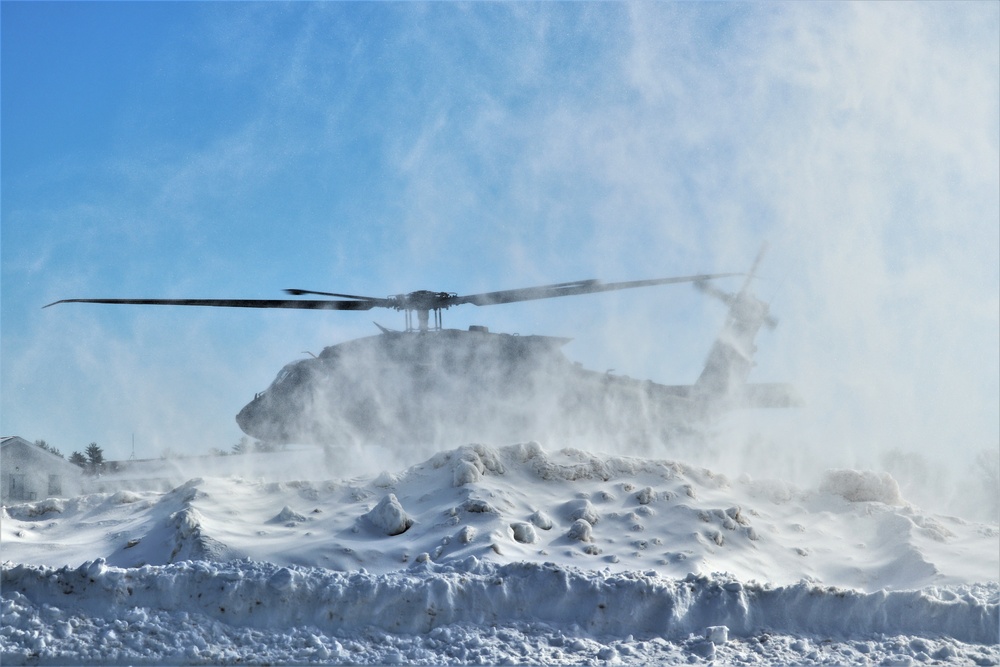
{"x":769,"y":395}
{"x":723,"y":382}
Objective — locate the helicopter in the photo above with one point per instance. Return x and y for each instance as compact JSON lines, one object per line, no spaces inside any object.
{"x":432,"y":385}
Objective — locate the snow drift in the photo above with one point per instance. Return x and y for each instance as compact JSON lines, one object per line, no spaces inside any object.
{"x":576,"y":556}
{"x":522,"y":504}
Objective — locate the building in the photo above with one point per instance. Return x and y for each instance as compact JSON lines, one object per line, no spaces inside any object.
{"x":28,"y":473}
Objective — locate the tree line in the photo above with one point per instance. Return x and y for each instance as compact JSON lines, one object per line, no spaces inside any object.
{"x":92,"y":458}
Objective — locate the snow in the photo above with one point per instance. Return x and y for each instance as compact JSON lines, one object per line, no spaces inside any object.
{"x":499,"y":554}
{"x":860,"y":486}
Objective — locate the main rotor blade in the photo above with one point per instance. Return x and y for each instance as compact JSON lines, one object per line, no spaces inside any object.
{"x":237,"y":303}
{"x":569,"y":289}
{"x":438,"y":301}
{"x":712,"y":290}
{"x":756,"y":263}
{"x":299,"y":292}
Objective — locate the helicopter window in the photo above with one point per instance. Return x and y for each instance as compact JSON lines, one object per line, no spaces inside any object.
{"x":283,"y":375}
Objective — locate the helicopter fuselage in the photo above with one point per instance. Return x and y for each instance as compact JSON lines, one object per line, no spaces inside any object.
{"x":439,"y":386}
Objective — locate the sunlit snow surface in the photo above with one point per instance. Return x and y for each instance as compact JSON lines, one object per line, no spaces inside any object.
{"x":493,"y":555}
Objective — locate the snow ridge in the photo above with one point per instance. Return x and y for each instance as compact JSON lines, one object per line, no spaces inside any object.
{"x":427,"y":596}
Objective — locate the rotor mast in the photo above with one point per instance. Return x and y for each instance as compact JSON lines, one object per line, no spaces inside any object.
{"x":422,"y":302}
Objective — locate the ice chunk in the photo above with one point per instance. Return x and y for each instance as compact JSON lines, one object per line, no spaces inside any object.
{"x":541,"y":520}
{"x":581,"y":531}
{"x":717,"y":634}
{"x":523,"y":532}
{"x":389,"y":517}
{"x":582,"y":509}
{"x":646,"y":496}
{"x":466,"y":472}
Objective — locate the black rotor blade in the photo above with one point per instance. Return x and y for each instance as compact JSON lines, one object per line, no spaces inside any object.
{"x":239,"y":303}
{"x":756,"y":263}
{"x":569,"y":289}
{"x":724,"y":297}
{"x":299,"y":292}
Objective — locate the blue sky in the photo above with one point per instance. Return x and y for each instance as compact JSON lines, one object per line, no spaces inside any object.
{"x":235,"y":149}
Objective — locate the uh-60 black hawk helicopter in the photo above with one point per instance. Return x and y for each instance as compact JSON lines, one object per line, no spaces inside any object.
{"x":431,"y":385}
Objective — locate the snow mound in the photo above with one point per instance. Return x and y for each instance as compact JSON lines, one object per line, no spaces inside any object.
{"x":389,"y":517}
{"x":40,"y":509}
{"x":520,"y":503}
{"x":288,"y":516}
{"x":862,"y":486}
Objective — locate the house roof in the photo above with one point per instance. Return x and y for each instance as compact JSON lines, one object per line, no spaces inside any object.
{"x":17,"y":442}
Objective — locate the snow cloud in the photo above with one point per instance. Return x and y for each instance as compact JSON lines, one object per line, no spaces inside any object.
{"x":378,"y":149}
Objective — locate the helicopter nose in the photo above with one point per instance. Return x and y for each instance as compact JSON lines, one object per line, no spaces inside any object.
{"x":256,"y":421}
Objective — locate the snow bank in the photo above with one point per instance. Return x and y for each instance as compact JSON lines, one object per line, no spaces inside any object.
{"x":245,"y":596}
{"x":427,"y":596}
